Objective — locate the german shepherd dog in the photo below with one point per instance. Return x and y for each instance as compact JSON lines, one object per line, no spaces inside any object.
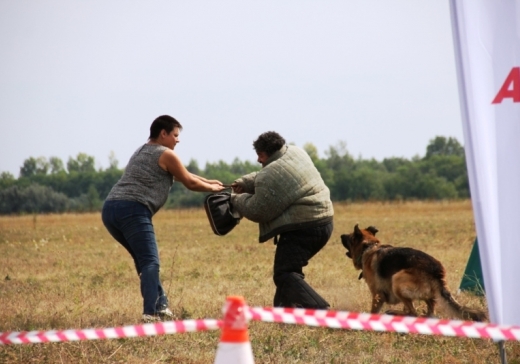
{"x":396,"y":274}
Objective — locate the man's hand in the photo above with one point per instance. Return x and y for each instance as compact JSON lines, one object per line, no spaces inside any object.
{"x":236,"y":188}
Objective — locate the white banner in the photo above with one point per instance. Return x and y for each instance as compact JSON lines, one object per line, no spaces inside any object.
{"x":487,"y":49}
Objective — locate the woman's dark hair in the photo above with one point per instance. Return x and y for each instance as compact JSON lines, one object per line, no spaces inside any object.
{"x":269,"y":143}
{"x":165,"y":122}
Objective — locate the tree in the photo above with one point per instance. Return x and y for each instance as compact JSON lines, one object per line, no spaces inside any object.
{"x":239,"y":168}
{"x":83,"y":163}
{"x":312,"y":151}
{"x":442,"y":146}
{"x":338,"y":157}
{"x":34,"y":166}
{"x":336,"y":171}
{"x":106,"y":180}
{"x":367,"y":184}
{"x":93,"y":198}
{"x":6,"y":180}
{"x":392,"y":164}
{"x":193,"y":167}
{"x":450,"y":167}
{"x":32,"y":199}
{"x":56,"y":165}
{"x":321,"y":165}
{"x":112,"y":160}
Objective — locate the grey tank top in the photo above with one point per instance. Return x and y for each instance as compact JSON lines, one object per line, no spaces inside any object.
{"x":143,"y":180}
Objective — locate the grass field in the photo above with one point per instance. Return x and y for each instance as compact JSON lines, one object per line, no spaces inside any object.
{"x":66,"y":272}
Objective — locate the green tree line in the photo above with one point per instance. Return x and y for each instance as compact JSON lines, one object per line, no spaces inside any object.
{"x":48,"y":185}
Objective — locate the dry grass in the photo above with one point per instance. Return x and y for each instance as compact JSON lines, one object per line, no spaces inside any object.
{"x":66,"y":272}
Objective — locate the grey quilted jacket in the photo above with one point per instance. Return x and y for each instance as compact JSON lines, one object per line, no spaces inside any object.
{"x":287,"y":194}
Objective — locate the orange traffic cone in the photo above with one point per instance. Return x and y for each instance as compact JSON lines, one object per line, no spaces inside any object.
{"x":234,"y":346}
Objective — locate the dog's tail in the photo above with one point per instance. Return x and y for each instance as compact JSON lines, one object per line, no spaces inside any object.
{"x":449,"y":305}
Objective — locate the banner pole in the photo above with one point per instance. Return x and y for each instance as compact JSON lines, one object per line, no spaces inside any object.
{"x":502,"y":351}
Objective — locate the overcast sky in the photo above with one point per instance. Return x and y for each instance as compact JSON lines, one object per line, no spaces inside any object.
{"x":90,"y":76}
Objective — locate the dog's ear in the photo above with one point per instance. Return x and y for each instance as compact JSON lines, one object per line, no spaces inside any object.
{"x":357,"y":233}
{"x":345,"y":240}
{"x":372,"y":230}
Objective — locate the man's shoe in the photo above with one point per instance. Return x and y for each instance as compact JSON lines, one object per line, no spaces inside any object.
{"x":166,"y":314}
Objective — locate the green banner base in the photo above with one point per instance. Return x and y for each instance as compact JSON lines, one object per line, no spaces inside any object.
{"x":472,"y":280}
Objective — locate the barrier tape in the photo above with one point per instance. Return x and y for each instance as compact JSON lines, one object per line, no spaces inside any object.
{"x":159,"y":328}
{"x":401,"y":324}
{"x":323,"y":318}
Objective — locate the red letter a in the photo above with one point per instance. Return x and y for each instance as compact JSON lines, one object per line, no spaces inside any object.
{"x":510,"y":88}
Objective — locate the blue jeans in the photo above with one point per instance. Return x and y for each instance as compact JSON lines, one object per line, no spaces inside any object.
{"x":130,"y":223}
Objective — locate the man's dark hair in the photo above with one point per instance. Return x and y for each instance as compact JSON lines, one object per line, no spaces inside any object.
{"x":165,"y":122}
{"x":269,"y":143}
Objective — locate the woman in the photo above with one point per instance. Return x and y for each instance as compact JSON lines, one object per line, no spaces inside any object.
{"x":138,"y":195}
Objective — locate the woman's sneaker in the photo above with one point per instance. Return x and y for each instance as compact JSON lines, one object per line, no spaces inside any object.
{"x":164,"y":314}
{"x":149,"y":319}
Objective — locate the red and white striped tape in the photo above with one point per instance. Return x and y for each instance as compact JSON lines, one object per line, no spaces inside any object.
{"x":370,"y":322}
{"x":160,"y":328}
{"x":323,"y":318}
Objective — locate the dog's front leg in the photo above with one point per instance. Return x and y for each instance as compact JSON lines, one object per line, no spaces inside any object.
{"x":377,"y":303}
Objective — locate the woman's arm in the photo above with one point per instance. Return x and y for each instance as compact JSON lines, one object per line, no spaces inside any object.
{"x":172,"y":163}
{"x":210,"y":181}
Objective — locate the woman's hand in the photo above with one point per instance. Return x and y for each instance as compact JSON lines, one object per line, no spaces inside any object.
{"x":215,"y":187}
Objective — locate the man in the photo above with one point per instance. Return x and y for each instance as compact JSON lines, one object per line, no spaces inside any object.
{"x":291,"y":203}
